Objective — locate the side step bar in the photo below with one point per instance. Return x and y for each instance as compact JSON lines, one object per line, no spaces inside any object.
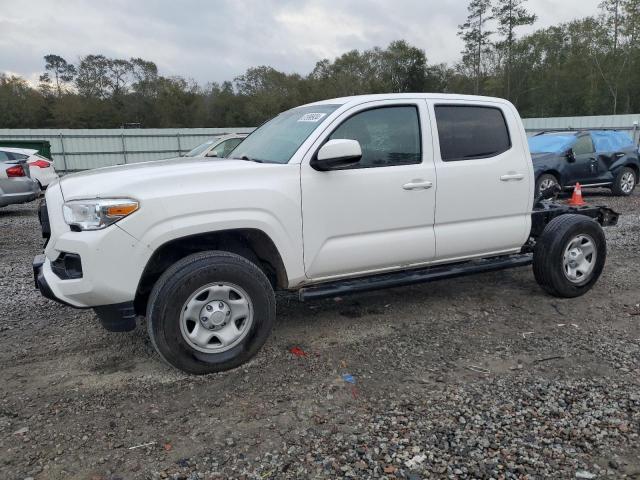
{"x":410,"y":277}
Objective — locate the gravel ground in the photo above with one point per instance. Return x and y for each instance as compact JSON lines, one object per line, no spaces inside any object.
{"x":479,"y":377}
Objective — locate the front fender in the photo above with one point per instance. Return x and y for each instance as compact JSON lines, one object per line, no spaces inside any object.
{"x":265,"y":199}
{"x":626,"y":161}
{"x":288,"y":244}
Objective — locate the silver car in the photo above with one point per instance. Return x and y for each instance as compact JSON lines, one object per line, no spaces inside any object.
{"x":16,"y":185}
{"x":218,"y":146}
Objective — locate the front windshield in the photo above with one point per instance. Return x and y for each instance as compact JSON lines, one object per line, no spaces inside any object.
{"x":277,"y":140}
{"x":199,"y":150}
{"x":550,"y":143}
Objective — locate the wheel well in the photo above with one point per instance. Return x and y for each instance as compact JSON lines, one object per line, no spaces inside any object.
{"x":252,"y":244}
{"x":635,"y":168}
{"x":555,"y":173}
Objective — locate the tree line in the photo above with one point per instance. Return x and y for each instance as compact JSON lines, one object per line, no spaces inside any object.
{"x":584,"y":67}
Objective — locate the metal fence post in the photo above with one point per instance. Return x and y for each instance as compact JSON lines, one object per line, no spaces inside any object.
{"x":179,"y":146}
{"x":124,"y":148}
{"x":64,"y":155}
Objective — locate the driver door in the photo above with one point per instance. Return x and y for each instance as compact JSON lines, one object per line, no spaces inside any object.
{"x":379,"y":214}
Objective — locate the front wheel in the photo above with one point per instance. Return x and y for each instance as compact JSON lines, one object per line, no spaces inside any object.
{"x":625,"y":182}
{"x":569,"y":256}
{"x":211,"y":311}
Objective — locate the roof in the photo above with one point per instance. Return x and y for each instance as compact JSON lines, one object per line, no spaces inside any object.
{"x":356,"y":99}
{"x":603,"y":140}
{"x":24,"y":151}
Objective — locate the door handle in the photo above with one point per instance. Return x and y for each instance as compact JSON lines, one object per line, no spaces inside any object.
{"x":512,"y":176}
{"x":418,"y":185}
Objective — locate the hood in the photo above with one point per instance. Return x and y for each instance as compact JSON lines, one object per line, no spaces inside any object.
{"x":129,"y":180}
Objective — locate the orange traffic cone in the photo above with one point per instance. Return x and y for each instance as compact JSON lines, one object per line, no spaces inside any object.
{"x":576,"y":199}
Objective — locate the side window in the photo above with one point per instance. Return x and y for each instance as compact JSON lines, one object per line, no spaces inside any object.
{"x":3,"y":156}
{"x":224,"y":148}
{"x":583,"y":146}
{"x":388,"y":136}
{"x":218,"y":150}
{"x":470,"y":132}
{"x":230,"y":145}
{"x":624,"y":140}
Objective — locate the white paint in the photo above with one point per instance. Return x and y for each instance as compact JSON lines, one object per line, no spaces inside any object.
{"x":339,"y":148}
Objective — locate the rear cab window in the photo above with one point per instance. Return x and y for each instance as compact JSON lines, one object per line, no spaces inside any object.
{"x":471,"y":132}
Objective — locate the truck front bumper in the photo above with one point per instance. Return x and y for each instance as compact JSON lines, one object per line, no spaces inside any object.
{"x":119,"y":317}
{"x":41,"y":282}
{"x":93,"y":269}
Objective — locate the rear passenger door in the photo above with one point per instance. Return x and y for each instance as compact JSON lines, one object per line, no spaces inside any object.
{"x":485,"y":179}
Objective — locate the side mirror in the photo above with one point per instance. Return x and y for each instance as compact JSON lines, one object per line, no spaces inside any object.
{"x":337,"y":154}
{"x":571,"y":157}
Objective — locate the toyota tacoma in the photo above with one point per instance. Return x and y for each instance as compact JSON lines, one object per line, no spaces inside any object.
{"x":326,"y":199}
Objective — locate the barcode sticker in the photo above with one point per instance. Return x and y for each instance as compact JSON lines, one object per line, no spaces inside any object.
{"x":312,"y":117}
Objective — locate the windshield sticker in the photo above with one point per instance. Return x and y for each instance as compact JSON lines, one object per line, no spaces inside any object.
{"x":312,"y":117}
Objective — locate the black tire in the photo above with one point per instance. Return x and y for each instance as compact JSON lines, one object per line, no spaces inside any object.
{"x":185,"y":277}
{"x":618,"y":186}
{"x":545,"y":177}
{"x":548,"y":256}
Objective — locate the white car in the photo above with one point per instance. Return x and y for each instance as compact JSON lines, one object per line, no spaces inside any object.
{"x":42,"y":169}
{"x":218,"y":147}
{"x":326,"y":199}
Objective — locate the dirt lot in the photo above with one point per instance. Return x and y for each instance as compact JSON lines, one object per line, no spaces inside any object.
{"x":478,"y":377}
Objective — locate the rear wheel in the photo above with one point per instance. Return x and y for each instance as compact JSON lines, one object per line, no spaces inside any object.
{"x":569,"y":255}
{"x":625,"y":182}
{"x":211,"y":311}
{"x":544,"y":182}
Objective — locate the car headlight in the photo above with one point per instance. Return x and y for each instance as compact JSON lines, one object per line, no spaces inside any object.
{"x":97,"y":214}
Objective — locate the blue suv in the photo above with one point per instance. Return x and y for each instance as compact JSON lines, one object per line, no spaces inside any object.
{"x":595,"y":158}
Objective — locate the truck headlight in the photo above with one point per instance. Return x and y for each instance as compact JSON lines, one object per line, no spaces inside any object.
{"x":97,"y":214}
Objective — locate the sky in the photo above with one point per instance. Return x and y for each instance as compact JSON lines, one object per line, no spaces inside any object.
{"x":217,"y":40}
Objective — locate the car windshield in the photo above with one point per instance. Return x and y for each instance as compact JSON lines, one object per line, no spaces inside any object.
{"x":550,"y":143}
{"x":278,"y":139}
{"x":199,"y":150}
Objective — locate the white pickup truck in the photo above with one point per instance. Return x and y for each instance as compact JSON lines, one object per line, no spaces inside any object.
{"x":330,"y":198}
